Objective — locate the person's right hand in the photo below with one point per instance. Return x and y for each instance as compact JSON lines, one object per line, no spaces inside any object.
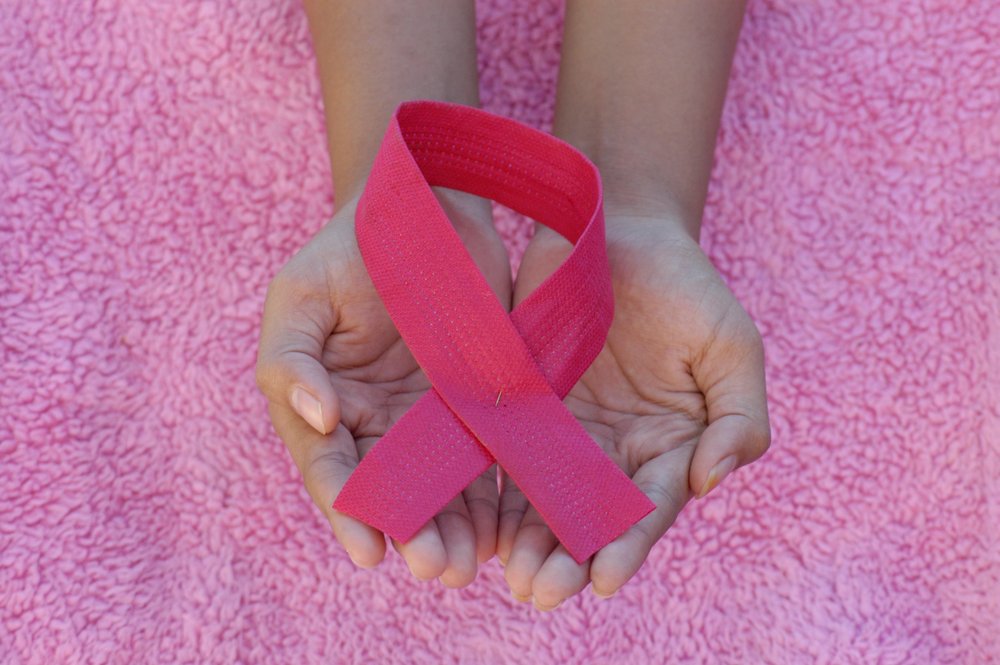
{"x":337,"y":376}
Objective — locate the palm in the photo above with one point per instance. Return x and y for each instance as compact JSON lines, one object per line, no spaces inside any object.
{"x":370,"y":368}
{"x":376,"y":380}
{"x":640,"y":398}
{"x":643,"y":399}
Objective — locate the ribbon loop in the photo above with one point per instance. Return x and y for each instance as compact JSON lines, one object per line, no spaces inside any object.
{"x":497,"y":378}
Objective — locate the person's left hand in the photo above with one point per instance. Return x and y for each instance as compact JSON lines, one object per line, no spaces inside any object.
{"x":676,"y":398}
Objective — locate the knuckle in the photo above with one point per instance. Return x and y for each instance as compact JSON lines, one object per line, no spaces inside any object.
{"x":490,"y":505}
{"x":513,"y":515}
{"x":329,"y":459}
{"x":644,"y":531}
{"x":453,"y":515}
{"x":657,"y":493}
{"x":319,"y":472}
{"x":539,"y":529}
{"x":273,"y":377}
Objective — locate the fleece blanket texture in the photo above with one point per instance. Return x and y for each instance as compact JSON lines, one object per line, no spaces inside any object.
{"x":160,"y":161}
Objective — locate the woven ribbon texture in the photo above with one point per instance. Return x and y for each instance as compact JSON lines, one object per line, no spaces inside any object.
{"x":497,"y":378}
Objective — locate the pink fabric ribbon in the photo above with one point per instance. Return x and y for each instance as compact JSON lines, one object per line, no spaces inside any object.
{"x":497,"y":379}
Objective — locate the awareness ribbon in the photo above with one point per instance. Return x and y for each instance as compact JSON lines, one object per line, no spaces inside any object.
{"x":497,"y":378}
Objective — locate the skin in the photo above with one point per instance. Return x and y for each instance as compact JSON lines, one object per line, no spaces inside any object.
{"x":679,"y":386}
{"x":680,"y":374}
{"x":324,"y":327}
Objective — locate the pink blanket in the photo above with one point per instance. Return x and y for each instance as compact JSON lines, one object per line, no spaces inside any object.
{"x":159,"y":161}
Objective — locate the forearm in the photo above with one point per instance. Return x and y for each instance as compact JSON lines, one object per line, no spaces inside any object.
{"x":374,"y":54}
{"x":641,"y":88}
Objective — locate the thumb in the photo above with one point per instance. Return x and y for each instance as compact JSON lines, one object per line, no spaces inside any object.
{"x":298,"y":318}
{"x":731,"y":375}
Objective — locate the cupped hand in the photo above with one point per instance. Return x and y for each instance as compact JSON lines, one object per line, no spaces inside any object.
{"x":676,"y":398}
{"x":337,"y":375}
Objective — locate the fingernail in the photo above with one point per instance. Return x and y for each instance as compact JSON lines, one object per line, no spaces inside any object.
{"x":601,"y":594}
{"x":309,"y":408}
{"x":520,"y":599}
{"x":718,"y":472}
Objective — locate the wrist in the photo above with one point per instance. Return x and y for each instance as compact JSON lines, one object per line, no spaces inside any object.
{"x":623,"y":205}
{"x":633,"y":184}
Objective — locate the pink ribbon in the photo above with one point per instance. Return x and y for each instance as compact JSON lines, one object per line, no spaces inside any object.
{"x":497,"y":379}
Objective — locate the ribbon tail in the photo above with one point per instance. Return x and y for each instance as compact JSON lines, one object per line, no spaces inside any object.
{"x":423,"y":462}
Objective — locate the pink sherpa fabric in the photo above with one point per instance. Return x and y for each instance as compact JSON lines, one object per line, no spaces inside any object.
{"x":160,"y":161}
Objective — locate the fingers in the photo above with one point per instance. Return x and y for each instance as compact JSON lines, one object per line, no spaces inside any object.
{"x":482,"y":501}
{"x":533,"y":544}
{"x":731,"y":375}
{"x":536,"y":566}
{"x":540,"y":569}
{"x":424,"y":553}
{"x":559,"y":578}
{"x":459,"y":538}
{"x":513,"y":505}
{"x":664,"y":480}
{"x":325,"y":462}
{"x":729,"y":442}
{"x":297,"y":320}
